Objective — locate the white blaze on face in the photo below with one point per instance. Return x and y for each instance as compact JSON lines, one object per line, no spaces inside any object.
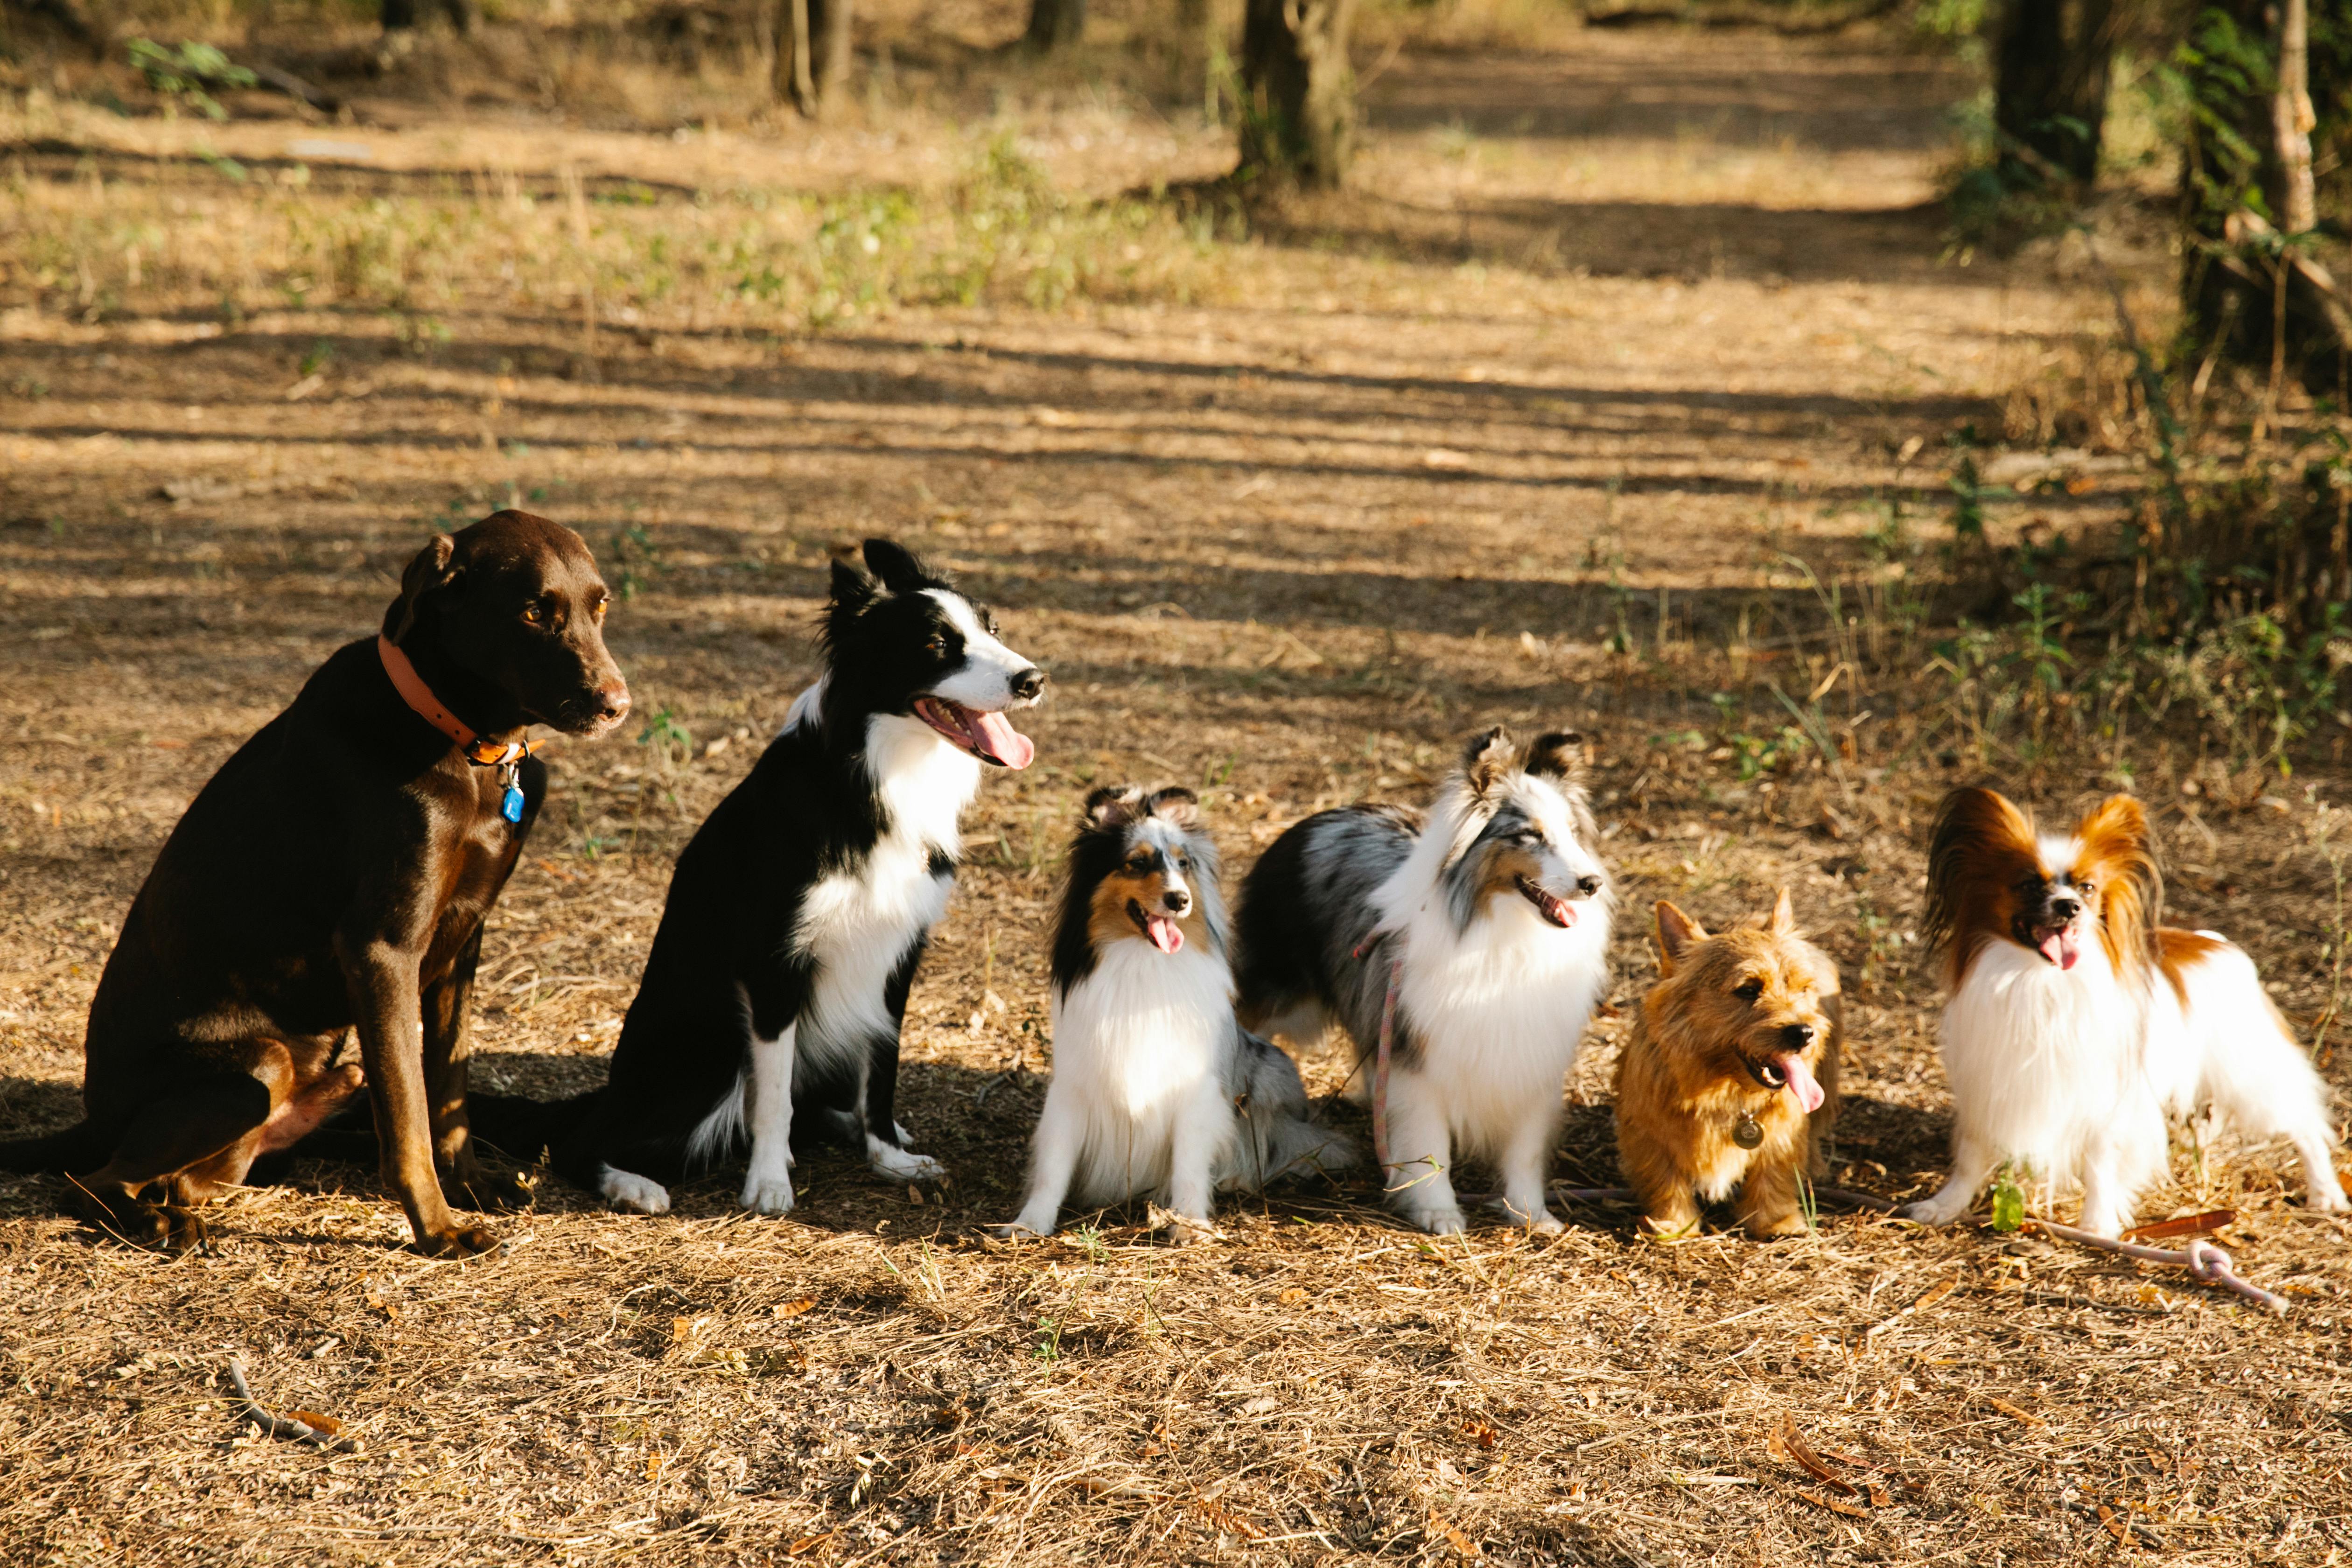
{"x":1565,"y":859}
{"x":984,"y":682}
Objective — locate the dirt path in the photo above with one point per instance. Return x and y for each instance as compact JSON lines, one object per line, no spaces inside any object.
{"x":1607,"y":342}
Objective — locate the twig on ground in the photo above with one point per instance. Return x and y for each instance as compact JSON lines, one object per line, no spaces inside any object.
{"x":284,"y":1426}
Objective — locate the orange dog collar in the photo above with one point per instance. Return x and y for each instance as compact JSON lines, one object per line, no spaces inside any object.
{"x":419,"y":697}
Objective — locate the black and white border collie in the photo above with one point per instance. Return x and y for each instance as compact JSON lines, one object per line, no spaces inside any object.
{"x":801,"y":907}
{"x":1498,"y":910}
{"x":1157,"y":1089}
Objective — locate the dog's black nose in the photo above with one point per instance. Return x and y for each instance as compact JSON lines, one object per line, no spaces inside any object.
{"x":1797,"y":1037}
{"x":1587,"y":885}
{"x":1178,"y":900}
{"x":1028,"y":684}
{"x":2063,"y":909}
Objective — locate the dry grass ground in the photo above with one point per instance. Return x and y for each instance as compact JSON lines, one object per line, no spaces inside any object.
{"x":1620,"y":355}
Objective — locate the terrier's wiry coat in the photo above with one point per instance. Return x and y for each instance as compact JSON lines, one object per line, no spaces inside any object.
{"x":1730,"y":1079}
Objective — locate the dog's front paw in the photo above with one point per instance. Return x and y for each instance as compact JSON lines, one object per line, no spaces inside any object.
{"x":485,"y":1190}
{"x":1018,"y":1230}
{"x":1535,"y":1217}
{"x":902,"y":1164}
{"x":1447,"y":1221}
{"x":2327,"y":1200}
{"x":769,"y":1194}
{"x":459,"y":1241}
{"x":627,"y":1190}
{"x":1932,"y":1211}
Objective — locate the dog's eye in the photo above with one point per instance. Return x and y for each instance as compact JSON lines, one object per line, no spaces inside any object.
{"x":2086,"y":888}
{"x":535,"y":613}
{"x":936,"y":648}
{"x":601,"y":606}
{"x":1749,"y":990}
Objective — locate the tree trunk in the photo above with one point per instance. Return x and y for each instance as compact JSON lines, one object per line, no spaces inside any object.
{"x":1298,"y":108}
{"x":2252,"y":289}
{"x":2051,"y":59}
{"x":1054,"y":23}
{"x":811,"y":52}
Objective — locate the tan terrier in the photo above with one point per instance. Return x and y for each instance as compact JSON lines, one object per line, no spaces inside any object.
{"x":1731,"y":1077}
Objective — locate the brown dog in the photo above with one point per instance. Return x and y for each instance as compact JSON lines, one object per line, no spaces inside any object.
{"x":1731,"y":1077}
{"x":335,"y":872}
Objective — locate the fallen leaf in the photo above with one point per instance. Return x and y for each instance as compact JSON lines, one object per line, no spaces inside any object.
{"x":683,"y":1331}
{"x":325,"y":1426}
{"x":791,"y":1308}
{"x":1835,"y":1504}
{"x":2013,"y":1413}
{"x":2117,"y":1526}
{"x":1789,"y":1445}
{"x":807,"y":1544}
{"x":2186,"y":1225}
{"x":1480,"y":1431}
{"x":1439,"y":1525}
{"x":1292,"y":1296}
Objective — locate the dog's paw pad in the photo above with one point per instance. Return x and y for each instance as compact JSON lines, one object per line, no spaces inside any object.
{"x":1441,"y":1222}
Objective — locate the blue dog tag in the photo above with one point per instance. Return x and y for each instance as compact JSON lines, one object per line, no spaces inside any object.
{"x":512,"y":804}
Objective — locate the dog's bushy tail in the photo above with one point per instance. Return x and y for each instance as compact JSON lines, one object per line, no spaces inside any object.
{"x":81,"y":1147}
{"x":521,"y":1127}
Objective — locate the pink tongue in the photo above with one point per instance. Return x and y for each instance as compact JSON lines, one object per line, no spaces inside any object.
{"x":1801,"y":1083}
{"x":1562,"y":912}
{"x":2060,"y":948}
{"x":1000,"y":742}
{"x":1162,"y":933}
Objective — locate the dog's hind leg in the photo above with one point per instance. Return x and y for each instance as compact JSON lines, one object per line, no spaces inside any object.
{"x":194,"y":1126}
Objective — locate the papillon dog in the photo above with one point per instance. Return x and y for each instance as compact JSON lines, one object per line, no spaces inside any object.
{"x":2077,"y":1029}
{"x":1157,"y":1089}
{"x":1481,"y":935}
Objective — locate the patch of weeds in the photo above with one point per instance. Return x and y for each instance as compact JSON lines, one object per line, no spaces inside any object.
{"x":2008,"y":1201}
{"x":637,"y":558}
{"x":184,"y":75}
{"x":667,"y":738}
{"x":317,"y":357}
{"x":1754,"y":756}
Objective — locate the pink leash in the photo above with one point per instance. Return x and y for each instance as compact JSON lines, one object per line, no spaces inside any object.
{"x":2206,"y":1263}
{"x":1381,"y":1059}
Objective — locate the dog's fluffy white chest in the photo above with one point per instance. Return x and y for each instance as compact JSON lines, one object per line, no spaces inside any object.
{"x":2043,"y":1059}
{"x":1500,"y":1009}
{"x":858,"y":924}
{"x":1134,"y":1043}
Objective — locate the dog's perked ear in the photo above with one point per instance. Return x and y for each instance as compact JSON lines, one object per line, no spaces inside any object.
{"x":1488,"y":759}
{"x":1176,"y":806}
{"x":1784,"y":916}
{"x":1676,"y":933}
{"x":898,"y":567}
{"x":426,"y":575}
{"x":1114,"y":805}
{"x":1556,"y":754}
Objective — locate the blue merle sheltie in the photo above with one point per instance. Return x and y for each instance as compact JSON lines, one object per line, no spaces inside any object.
{"x":1482,"y":933}
{"x":801,"y":907}
{"x":1158,"y":1091}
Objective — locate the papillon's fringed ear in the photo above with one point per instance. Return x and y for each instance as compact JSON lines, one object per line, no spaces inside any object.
{"x":426,"y":574}
{"x":1114,"y":805}
{"x":900,"y":571}
{"x":2118,"y":854}
{"x":1175,"y":805}
{"x":1676,"y":933}
{"x":1488,"y":759}
{"x":1981,"y":846}
{"x":1783,"y":921}
{"x":1557,"y":754}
